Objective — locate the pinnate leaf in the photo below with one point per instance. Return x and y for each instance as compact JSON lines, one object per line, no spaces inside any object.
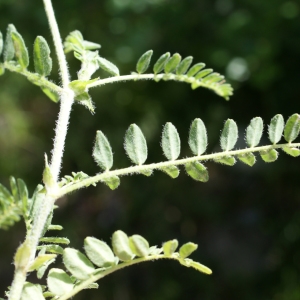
{"x":135,"y":145}
{"x":226,"y":160}
{"x":112,"y":182}
{"x":172,"y":171}
{"x":77,"y":263}
{"x":59,"y":282}
{"x":292,"y":128}
{"x":198,"y":137}
{"x":144,"y":61}
{"x":203,"y":73}
{"x":170,"y":142}
{"x":172,"y":63}
{"x":160,"y":64}
{"x":120,"y":244}
{"x":99,"y":252}
{"x":295,"y":152}
{"x":229,"y":135}
{"x":102,"y":152}
{"x":184,"y":65}
{"x":197,"y":171}
{"x":276,"y":128}
{"x":21,"y":51}
{"x":254,"y":132}
{"x":41,"y":56}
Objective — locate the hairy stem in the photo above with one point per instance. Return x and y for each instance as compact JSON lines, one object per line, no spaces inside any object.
{"x":67,"y":98}
{"x":137,"y":169}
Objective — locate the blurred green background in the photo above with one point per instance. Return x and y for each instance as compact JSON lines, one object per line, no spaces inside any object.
{"x":245,"y":220}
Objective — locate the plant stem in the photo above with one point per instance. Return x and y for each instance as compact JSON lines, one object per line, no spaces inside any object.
{"x":67,"y":98}
{"x":137,"y":169}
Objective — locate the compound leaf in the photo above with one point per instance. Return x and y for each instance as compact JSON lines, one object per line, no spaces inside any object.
{"x":172,"y":171}
{"x":9,"y":50}
{"x":254,"y":132}
{"x":135,"y":145}
{"x":269,"y":155}
{"x":276,"y":128}
{"x":295,"y":152}
{"x":195,"y":69}
{"x":248,"y":159}
{"x":229,"y":135}
{"x":112,"y":182}
{"x":102,"y":152}
{"x":139,"y":245}
{"x":170,"y":141}
{"x":144,"y":61}
{"x":187,"y":249}
{"x":170,"y":247}
{"x":197,"y":137}
{"x":108,"y":66}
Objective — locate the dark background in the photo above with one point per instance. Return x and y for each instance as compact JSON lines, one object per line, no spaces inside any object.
{"x":245,"y":220}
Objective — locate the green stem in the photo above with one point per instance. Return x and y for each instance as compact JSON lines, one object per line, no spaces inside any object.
{"x":137,"y":169}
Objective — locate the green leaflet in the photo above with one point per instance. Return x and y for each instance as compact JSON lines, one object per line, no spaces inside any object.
{"x":9,"y":50}
{"x":187,"y":249}
{"x":184,"y":65}
{"x":292,"y":128}
{"x":170,"y":247}
{"x":55,"y":227}
{"x":197,"y":171}
{"x":172,"y":63}
{"x":203,"y":73}
{"x":22,"y":256}
{"x":108,"y":66}
{"x":40,"y":260}
{"x":99,"y":252}
{"x":102,"y":152}
{"x":21,"y":52}
{"x":120,"y":244}
{"x":77,"y":264}
{"x":51,"y":94}
{"x":23,"y":194}
{"x":160,"y":64}
{"x":254,"y":132}
{"x":276,"y":129}
{"x":59,"y":282}
{"x":144,"y":61}
{"x":52,"y":249}
{"x":32,"y":292}
{"x":229,"y":135}
{"x":197,"y":137}
{"x":226,"y":160}
{"x":112,"y":182}
{"x":248,"y":159}
{"x":41,"y":57}
{"x":1,"y":42}
{"x":199,"y":267}
{"x":214,"y":77}
{"x":172,"y":171}
{"x":135,"y":145}
{"x":47,"y":175}
{"x":41,"y":271}
{"x":139,"y":245}
{"x":55,"y":240}
{"x":269,"y":155}
{"x":195,"y":69}
{"x":295,"y":152}
{"x":170,"y":142}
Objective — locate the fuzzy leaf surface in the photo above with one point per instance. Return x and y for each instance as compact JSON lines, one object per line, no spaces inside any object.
{"x":198,"y":137}
{"x":144,"y":61}
{"x":21,"y":52}
{"x":276,"y":129}
{"x":254,"y":132}
{"x":295,"y":152}
{"x":195,"y":69}
{"x":170,"y":247}
{"x":108,"y":66}
{"x":120,"y":244}
{"x":187,"y":249}
{"x":160,"y":64}
{"x":102,"y":152}
{"x":139,"y":245}
{"x":9,"y":50}
{"x":59,"y":282}
{"x":170,"y":142}
{"x":248,"y":159}
{"x":269,"y":156}
{"x":197,"y":171}
{"x":292,"y":128}
{"x":229,"y":135}
{"x":172,"y":171}
{"x":135,"y":145}
{"x":32,"y":292}
{"x":184,"y":65}
{"x":172,"y":63}
{"x":41,"y":56}
{"x":112,"y":182}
